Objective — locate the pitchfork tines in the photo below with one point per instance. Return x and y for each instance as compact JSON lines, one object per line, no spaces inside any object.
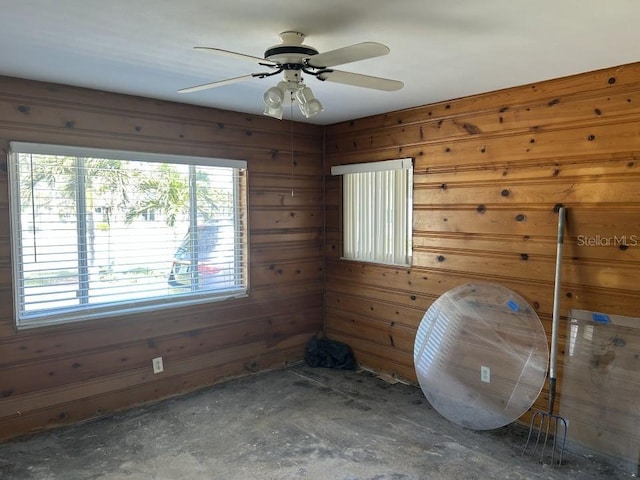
{"x":549,"y":430}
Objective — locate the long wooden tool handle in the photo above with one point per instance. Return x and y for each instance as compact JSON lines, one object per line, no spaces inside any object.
{"x":556,"y":309}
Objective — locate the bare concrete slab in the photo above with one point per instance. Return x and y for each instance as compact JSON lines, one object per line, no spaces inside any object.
{"x":295,"y":423}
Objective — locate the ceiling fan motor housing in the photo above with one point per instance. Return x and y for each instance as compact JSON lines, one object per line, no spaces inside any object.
{"x":290,"y":52}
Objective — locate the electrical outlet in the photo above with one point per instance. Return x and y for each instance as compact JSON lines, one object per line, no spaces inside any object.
{"x":485,"y":374}
{"x":157,"y":365}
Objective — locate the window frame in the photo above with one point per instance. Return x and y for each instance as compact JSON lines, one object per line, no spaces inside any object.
{"x":78,"y":313}
{"x":403,"y":164}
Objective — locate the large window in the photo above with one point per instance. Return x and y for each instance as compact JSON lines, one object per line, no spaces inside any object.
{"x":377,"y":200}
{"x":102,"y":232}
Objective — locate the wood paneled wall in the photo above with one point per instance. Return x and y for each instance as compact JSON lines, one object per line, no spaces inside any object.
{"x":62,"y":374}
{"x":489,"y":172}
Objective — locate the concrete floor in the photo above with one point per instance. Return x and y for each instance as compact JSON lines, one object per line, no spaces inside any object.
{"x":296,"y":423}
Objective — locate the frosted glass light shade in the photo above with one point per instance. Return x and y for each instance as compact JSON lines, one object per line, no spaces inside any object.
{"x":273,"y":97}
{"x":309,"y":105}
{"x":275,"y":112}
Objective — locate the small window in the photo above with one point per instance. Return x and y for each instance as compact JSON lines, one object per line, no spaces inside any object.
{"x":377,"y":200}
{"x":102,"y":232}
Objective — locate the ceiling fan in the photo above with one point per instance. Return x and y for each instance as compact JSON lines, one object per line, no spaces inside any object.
{"x":292,"y":58}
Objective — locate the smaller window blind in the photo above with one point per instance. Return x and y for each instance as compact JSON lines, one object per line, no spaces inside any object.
{"x":377,"y":211}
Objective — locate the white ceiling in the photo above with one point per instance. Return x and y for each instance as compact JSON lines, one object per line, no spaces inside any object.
{"x":440,"y":49}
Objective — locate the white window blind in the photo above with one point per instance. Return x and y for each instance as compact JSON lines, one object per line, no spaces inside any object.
{"x":103,"y":232}
{"x":377,"y":201}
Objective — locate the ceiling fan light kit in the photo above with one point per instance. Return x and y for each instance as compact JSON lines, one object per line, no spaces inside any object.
{"x":274,"y":98}
{"x":292,"y":58}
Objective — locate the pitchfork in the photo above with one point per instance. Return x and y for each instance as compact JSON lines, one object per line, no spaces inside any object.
{"x":547,"y":424}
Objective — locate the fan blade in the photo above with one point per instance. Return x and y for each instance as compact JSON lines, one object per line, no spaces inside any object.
{"x":359,"y":80}
{"x":229,"y":53}
{"x":221,"y":83}
{"x":353,"y":53}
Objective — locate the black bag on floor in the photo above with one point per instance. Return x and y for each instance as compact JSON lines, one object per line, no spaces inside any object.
{"x":329,"y":354}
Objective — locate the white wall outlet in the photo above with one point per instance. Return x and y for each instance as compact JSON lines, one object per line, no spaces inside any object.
{"x":485,"y":374}
{"x":157,"y":365}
